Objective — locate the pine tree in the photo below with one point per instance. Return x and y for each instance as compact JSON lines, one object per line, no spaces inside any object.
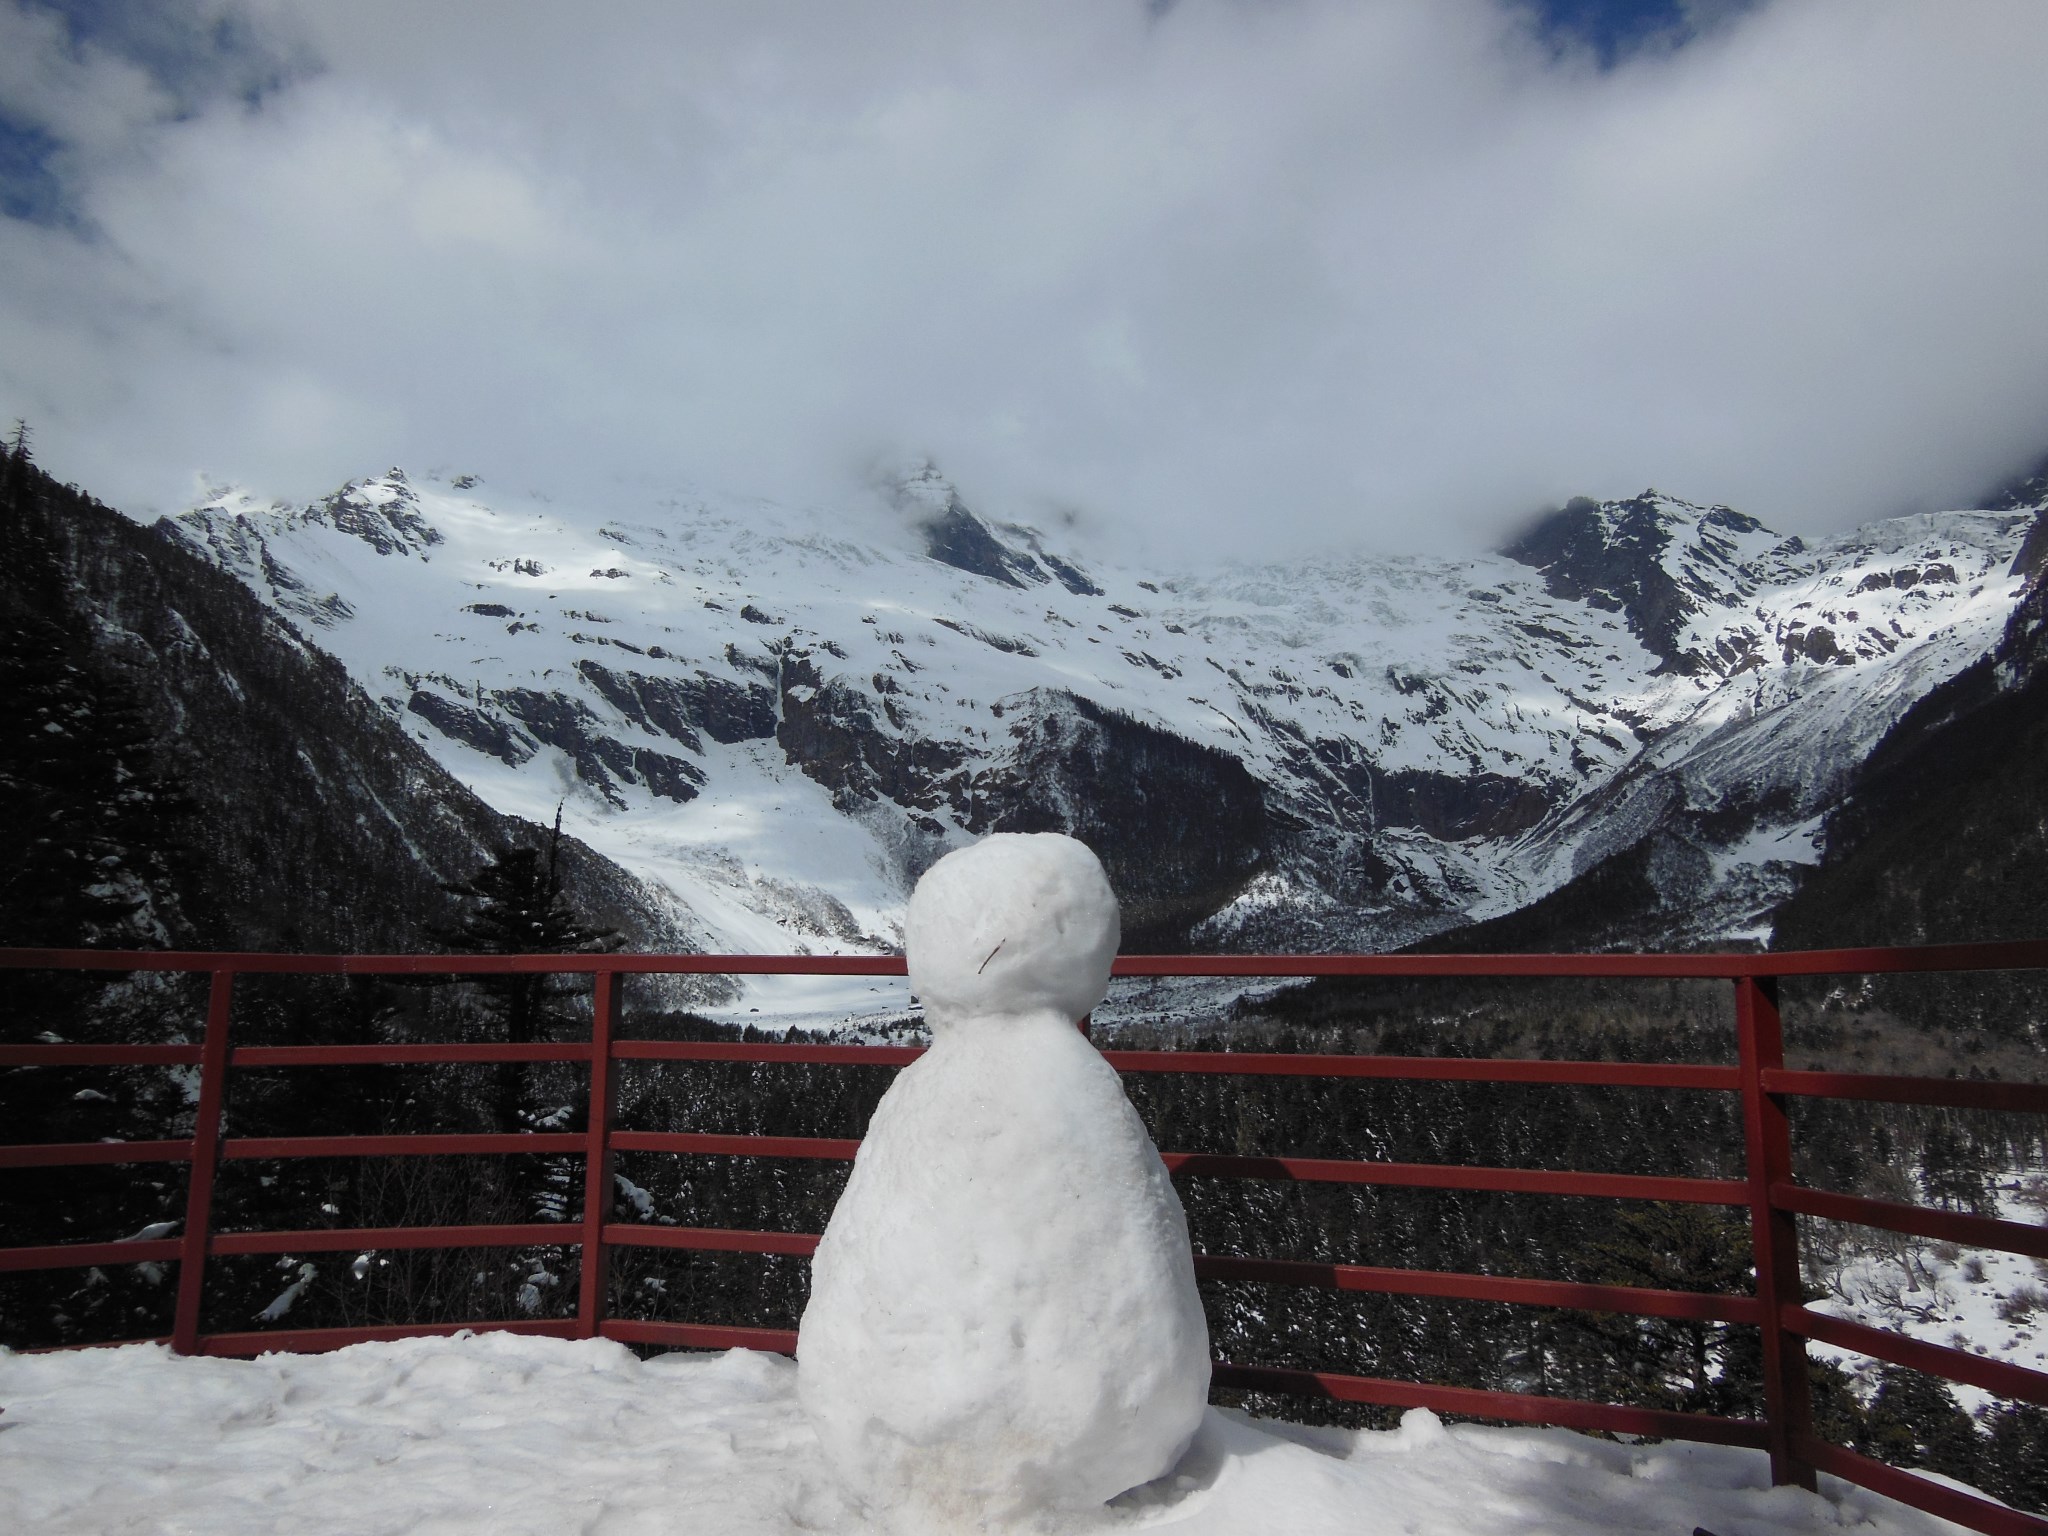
{"x":2014,"y":1456}
{"x":15,"y":460}
{"x":78,"y":761}
{"x":1915,"y":1421}
{"x":93,"y":862}
{"x":519,"y":907}
{"x":1954,"y":1171}
{"x":1669,"y":1362}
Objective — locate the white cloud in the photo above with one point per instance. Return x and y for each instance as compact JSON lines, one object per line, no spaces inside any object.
{"x":1250,"y":273}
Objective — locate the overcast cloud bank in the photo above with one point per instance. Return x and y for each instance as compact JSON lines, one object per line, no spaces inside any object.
{"x":1246,"y":275}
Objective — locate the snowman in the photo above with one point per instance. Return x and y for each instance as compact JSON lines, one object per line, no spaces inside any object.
{"x":1003,"y":1326}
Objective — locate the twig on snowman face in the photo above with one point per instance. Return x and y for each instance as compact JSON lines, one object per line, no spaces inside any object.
{"x":991,"y":955}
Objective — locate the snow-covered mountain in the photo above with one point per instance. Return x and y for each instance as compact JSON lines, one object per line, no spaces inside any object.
{"x":194,"y":776}
{"x":778,"y":716}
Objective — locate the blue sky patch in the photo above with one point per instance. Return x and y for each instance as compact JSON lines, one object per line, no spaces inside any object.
{"x":1615,"y":29}
{"x":29,"y":188}
{"x":193,"y":60}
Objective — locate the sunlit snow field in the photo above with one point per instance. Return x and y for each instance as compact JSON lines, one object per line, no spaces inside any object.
{"x":460,"y":598}
{"x":499,"y":1435}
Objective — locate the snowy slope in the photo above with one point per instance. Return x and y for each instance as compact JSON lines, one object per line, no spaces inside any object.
{"x":506,"y":1435}
{"x":1984,"y":1300}
{"x":778,"y":716}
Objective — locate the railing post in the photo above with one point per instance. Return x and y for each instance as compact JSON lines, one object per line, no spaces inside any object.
{"x":213,"y":1079}
{"x":597,"y":1156}
{"x":1774,"y":1234}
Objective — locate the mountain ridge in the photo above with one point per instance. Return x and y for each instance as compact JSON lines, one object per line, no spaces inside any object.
{"x":780,"y":723}
{"x":293,"y":815}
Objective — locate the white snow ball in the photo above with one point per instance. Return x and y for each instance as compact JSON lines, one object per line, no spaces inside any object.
{"x":1016,"y":923}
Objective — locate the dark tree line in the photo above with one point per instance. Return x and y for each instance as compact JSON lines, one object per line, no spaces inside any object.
{"x":101,"y":824}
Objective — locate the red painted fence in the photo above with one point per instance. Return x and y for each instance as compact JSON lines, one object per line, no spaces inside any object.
{"x":1760,"y":1078}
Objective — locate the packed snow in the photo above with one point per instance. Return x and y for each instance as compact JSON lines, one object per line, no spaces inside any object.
{"x":501,"y":1435}
{"x":1016,"y":924}
{"x":1003,"y":1323}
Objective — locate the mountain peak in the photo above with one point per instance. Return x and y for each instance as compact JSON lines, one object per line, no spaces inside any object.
{"x":1659,"y":560}
{"x":2025,"y":492}
{"x":955,"y":536}
{"x":383,"y":511}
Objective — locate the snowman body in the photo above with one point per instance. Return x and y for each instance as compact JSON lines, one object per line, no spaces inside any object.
{"x":1003,"y":1318}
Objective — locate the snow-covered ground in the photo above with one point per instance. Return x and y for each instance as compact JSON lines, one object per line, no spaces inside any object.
{"x":1991,"y":1303}
{"x":500,"y":1435}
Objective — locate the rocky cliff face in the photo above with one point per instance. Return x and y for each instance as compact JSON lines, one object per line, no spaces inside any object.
{"x":778,"y":726}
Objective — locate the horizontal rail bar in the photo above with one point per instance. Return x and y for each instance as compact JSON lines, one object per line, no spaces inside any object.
{"x":1522,"y":1181}
{"x":1519,"y":1407}
{"x":1459,"y":1069}
{"x":399,"y":1055}
{"x":1605,"y":1298}
{"x":1230,"y":1063}
{"x":99,"y":1055}
{"x":710,"y":1239}
{"x":1635,"y":1300}
{"x":1919,"y":1220}
{"x":2022,"y":954}
{"x":627,"y":1330}
{"x":736,"y":1050}
{"x":86,"y":1255}
{"x":342,"y":1239}
{"x":314,"y":1341}
{"x":1999,"y":1377}
{"x":1979,"y":1514}
{"x":1535,"y":1181}
{"x":249,"y":963}
{"x":246,"y":1147}
{"x":82,"y":1154}
{"x":1958,"y":1092}
{"x":828,"y":1148}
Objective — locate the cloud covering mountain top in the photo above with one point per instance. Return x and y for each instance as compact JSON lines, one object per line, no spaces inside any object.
{"x":1274,"y":275}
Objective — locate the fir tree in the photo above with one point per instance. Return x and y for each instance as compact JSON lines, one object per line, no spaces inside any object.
{"x":2014,"y":1456}
{"x":1670,"y":1362}
{"x":518,"y":906}
{"x":78,"y":760}
{"x":1915,"y":1421}
{"x":1954,"y":1172}
{"x":15,"y":460}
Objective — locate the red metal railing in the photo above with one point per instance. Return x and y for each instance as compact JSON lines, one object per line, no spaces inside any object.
{"x":1760,"y":1078}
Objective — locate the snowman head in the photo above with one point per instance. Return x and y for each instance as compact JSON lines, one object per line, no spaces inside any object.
{"x":1017,"y":923}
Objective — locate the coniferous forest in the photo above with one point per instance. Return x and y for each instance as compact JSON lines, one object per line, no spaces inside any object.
{"x":185,"y":774}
